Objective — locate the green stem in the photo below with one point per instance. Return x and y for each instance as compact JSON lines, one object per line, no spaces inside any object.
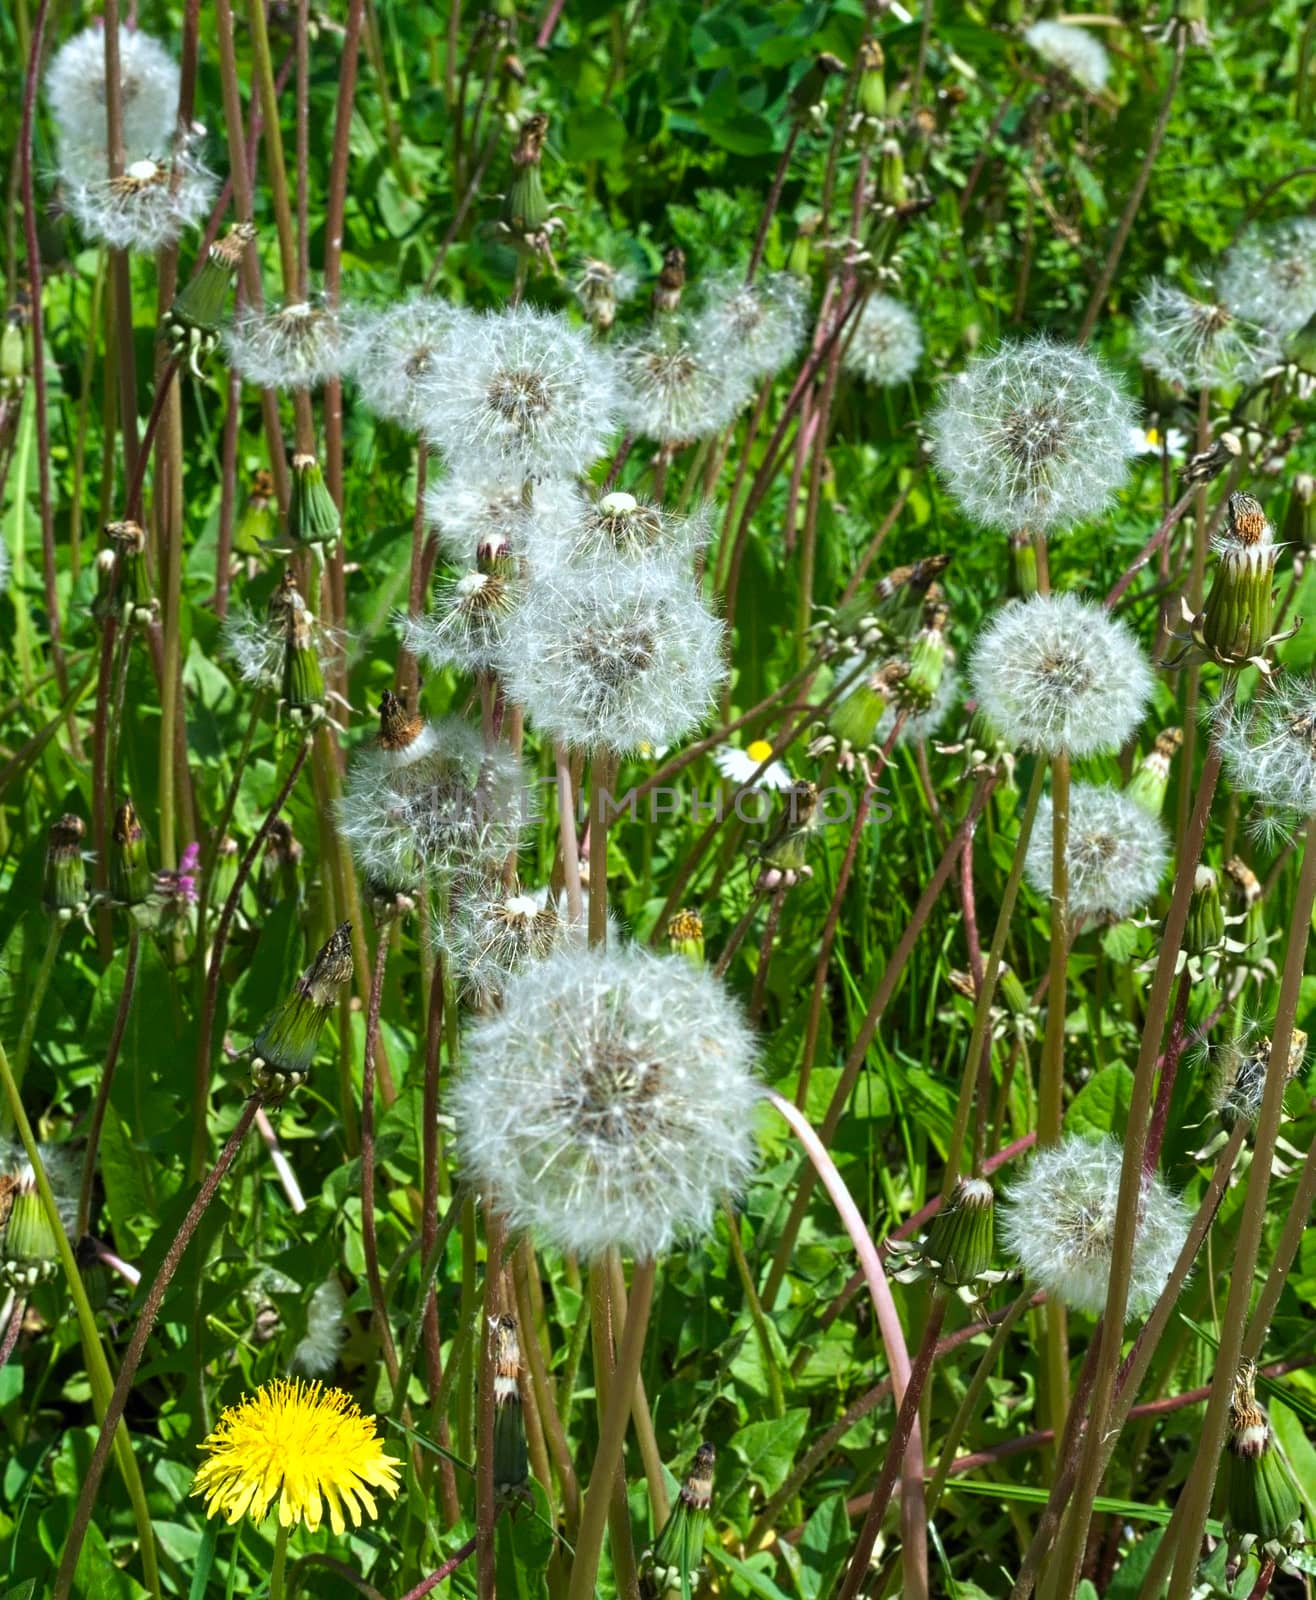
{"x":756,"y":1313}
{"x":107,"y":1081}
{"x":1051,"y":1083}
{"x":280,"y":1563}
{"x":33,"y":999}
{"x":93,"y":1355}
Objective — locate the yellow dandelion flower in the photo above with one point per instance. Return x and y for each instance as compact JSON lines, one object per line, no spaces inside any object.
{"x":303,"y":1443}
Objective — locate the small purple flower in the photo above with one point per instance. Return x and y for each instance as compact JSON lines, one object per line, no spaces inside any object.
{"x":180,"y":886}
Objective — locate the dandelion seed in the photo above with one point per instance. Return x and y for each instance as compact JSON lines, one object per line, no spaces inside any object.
{"x":755,"y":328}
{"x":1058,"y":1221}
{"x":1115,"y":852}
{"x":614,"y":657}
{"x":1056,"y":673}
{"x":1269,"y":746}
{"x":886,"y":345}
{"x":609,"y":1102}
{"x":390,"y":353}
{"x":1034,"y":436}
{"x":299,"y":346}
{"x":519,"y":393}
{"x":674,"y":391}
{"x":300,"y":1443}
{"x":1073,"y":50}
{"x":1197,"y":342}
{"x":1269,"y":277}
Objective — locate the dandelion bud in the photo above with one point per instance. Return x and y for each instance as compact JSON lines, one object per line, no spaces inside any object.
{"x":224,"y":872}
{"x":303,"y":679}
{"x":1253,"y":938}
{"x":1058,"y":1221}
{"x":1263,"y":1501}
{"x":609,"y":1102}
{"x":673,"y":1564}
{"x":1234,"y":628}
{"x":1211,"y":462}
{"x":1205,"y":932}
{"x":526,"y":212}
{"x":854,"y":719}
{"x":671,"y":282}
{"x":892,"y":182}
{"x":871,"y":95}
{"x":1149,"y":783}
{"x":1056,"y":673}
{"x":685,"y":936}
{"x":886,"y":345}
{"x":256,"y":529}
{"x":961,"y":1234}
{"x":283,"y":1050}
{"x":280,"y":867}
{"x":104,"y":603}
{"x":511,"y":1460}
{"x":191,"y":325}
{"x":927,"y":659}
{"x":29,"y":1254}
{"x":130,"y":876}
{"x":13,"y":349}
{"x":809,"y":94}
{"x":313,"y":519}
{"x":1035,"y":436}
{"x":66,"y":876}
{"x":1115,"y":852}
{"x":134,"y":598}
{"x":783,"y":856}
{"x":1300,"y":518}
{"x":1014,"y":997}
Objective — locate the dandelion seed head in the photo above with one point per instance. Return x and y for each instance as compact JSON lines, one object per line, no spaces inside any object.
{"x":1269,"y":746}
{"x":1033,"y":436}
{"x":674,"y":390}
{"x":149,"y":79}
{"x":496,"y":932}
{"x":144,"y":209}
{"x":467,"y":624}
{"x":521,"y":393}
{"x":619,"y":526}
{"x":609,"y":1102}
{"x":755,"y":328}
{"x":299,"y":346}
{"x":1116,"y":852}
{"x":614,"y":656}
{"x":887,"y":343}
{"x":1074,"y":50}
{"x":1196,"y":341}
{"x":485,"y":518}
{"x":1057,"y":673}
{"x":301,"y":1445}
{"x":390,"y":353}
{"x":1058,"y":1221}
{"x":1269,"y":277}
{"x":316,"y":1353}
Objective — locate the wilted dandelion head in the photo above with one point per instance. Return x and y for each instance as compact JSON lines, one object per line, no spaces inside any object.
{"x":145,"y":208}
{"x":609,"y":1102}
{"x":1056,"y":673}
{"x":1269,"y":277}
{"x":1115,"y":852}
{"x":1196,"y":341}
{"x":1269,"y":746}
{"x":754,"y":328}
{"x":1058,"y":1221}
{"x":299,"y":346}
{"x":480,"y":518}
{"x":599,"y":288}
{"x":467,"y":623}
{"x":1034,"y":436}
{"x":258,"y":644}
{"x":921,"y":725}
{"x":496,"y":932}
{"x":886,"y":345}
{"x":614,"y":656}
{"x":519,"y":391}
{"x":148,"y":87}
{"x":456,"y":807}
{"x":619,"y":525}
{"x":1074,"y":50}
{"x":674,"y":390}
{"x":301,"y":1444}
{"x":391,"y":350}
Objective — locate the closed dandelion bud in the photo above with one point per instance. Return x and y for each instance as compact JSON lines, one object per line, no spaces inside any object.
{"x":799,"y":261}
{"x":1262,"y":1500}
{"x":13,"y":349}
{"x":191,"y":325}
{"x":927,"y":659}
{"x":130,"y":876}
{"x":671,"y":282}
{"x":809,"y":94}
{"x":257,"y":526}
{"x":599,"y":289}
{"x":892,"y":182}
{"x":784,"y":855}
{"x":283,"y":1050}
{"x":224,"y":873}
{"x":525,"y":207}
{"x":854,"y":718}
{"x":1205,"y":932}
{"x":511,"y":1461}
{"x":104,"y":603}
{"x":280,"y":866}
{"x":303,"y":679}
{"x":678,"y":1551}
{"x":1149,"y":783}
{"x":1300,"y":518}
{"x":313,"y":519}
{"x":961,"y":1236}
{"x":1013,"y":995}
{"x":685,"y":936}
{"x":1234,"y":628}
{"x":66,"y":876}
{"x":872,"y":80}
{"x":134,"y":598}
{"x":28,"y":1254}
{"x":1253,"y":938}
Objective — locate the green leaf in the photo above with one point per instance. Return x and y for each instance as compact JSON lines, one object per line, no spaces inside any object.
{"x":823,"y":1547}
{"x":768,"y":1448}
{"x":1298,"y":1451}
{"x":1101,"y":1106}
{"x":754,"y":1577}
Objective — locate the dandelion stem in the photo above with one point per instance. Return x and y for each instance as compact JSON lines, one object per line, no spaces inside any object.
{"x":1051,"y":1084}
{"x":137,"y":1346}
{"x":641,"y":1417}
{"x":103,"y":1088}
{"x":566,"y":822}
{"x":462,"y":1553}
{"x":545,"y":1401}
{"x":602,"y":772}
{"x":774,"y":196}
{"x":33,"y":998}
{"x":486,"y":1505}
{"x":369,"y":1234}
{"x":15,"y":1310}
{"x":279,"y":1566}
